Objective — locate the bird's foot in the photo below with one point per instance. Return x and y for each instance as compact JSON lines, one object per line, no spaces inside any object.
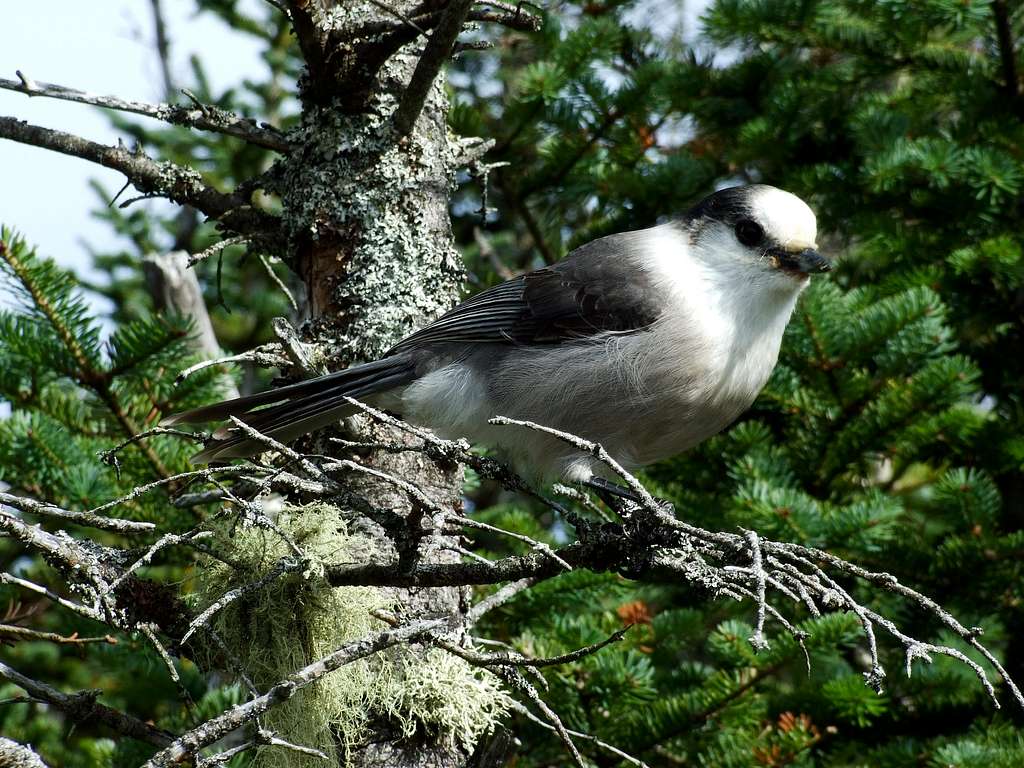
{"x":614,"y":495}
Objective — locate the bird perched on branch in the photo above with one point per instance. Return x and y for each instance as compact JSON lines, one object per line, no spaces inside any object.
{"x":647,"y":342}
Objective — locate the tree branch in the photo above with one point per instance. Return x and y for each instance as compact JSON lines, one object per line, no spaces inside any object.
{"x":83,"y":706}
{"x":214,"y":729}
{"x":1007,"y":53}
{"x":72,"y":516}
{"x":182,"y":185}
{"x":435,"y":54}
{"x":205,"y":117}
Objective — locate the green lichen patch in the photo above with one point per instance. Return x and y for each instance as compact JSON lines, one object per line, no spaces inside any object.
{"x":299,"y":618}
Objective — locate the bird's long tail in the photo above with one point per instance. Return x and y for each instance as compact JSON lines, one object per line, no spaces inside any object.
{"x":294,"y":410}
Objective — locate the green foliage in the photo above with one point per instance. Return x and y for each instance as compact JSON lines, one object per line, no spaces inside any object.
{"x":890,"y":431}
{"x":75,"y":394}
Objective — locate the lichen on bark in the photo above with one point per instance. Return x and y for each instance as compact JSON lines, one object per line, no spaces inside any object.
{"x":367,"y":214}
{"x":299,"y":618}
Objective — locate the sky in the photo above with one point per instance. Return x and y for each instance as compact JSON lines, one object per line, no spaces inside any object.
{"x":107,"y":48}
{"x":104,"y":48}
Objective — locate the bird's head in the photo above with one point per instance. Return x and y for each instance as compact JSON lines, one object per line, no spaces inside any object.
{"x":758,"y":229}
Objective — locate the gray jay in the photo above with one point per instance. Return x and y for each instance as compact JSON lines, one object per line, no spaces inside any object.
{"x":648,"y":342}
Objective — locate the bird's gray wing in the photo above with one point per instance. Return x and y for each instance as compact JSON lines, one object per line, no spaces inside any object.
{"x":584,"y":295}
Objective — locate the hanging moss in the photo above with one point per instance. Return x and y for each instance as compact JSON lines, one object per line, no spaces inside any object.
{"x":299,"y":618}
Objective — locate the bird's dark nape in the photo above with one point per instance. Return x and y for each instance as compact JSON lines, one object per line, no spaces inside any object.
{"x":726,"y":205}
{"x":294,"y":410}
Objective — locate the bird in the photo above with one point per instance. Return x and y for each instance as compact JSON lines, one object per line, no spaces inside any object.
{"x":647,"y":342}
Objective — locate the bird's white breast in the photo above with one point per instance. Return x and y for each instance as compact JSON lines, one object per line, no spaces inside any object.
{"x":645,"y":395}
{"x":718,"y":340}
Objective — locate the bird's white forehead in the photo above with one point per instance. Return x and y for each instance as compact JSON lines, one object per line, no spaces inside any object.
{"x":786,"y":218}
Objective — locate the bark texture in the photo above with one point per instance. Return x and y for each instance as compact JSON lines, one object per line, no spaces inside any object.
{"x":366,"y":214}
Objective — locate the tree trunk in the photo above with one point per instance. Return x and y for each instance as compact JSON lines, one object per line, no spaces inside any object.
{"x":366,"y":213}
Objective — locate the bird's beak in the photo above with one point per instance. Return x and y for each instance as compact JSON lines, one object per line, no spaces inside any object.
{"x":805,"y":262}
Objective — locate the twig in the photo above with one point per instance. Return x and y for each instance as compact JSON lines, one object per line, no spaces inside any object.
{"x":538,"y":546}
{"x":278,"y":281}
{"x":142,"y":490}
{"x":79,"y":518}
{"x":262,"y":737}
{"x":265,"y":356}
{"x":516,"y":19}
{"x":81,"y":610}
{"x":515,"y":678}
{"x":308,"y":466}
{"x":596,"y":450}
{"x":150,"y":632}
{"x":167,"y":540}
{"x":498,"y":599}
{"x":215,"y":249}
{"x":82,"y":707}
{"x":757,"y":569}
{"x":180,"y":184}
{"x":585,"y":736}
{"x":163,"y":46}
{"x":399,"y":15}
{"x":14,"y":632}
{"x":281,"y":567}
{"x":107,"y":456}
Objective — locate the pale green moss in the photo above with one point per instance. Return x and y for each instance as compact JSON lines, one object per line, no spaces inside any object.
{"x":299,"y":618}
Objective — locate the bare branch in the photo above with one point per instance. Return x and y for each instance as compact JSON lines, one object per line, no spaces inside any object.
{"x":109,"y":456}
{"x":283,"y":566}
{"x":78,"y":518}
{"x":216,"y":248}
{"x":265,"y":356}
{"x":516,"y":19}
{"x":82,"y":707}
{"x":177,"y":183}
{"x":278,"y":281}
{"x":204,"y":117}
{"x":12,"y":632}
{"x":757,"y":568}
{"x":595,"y":449}
{"x":436,"y":53}
{"x":82,"y":610}
{"x":585,"y":736}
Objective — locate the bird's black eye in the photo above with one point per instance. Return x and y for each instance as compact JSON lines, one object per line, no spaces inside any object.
{"x":749,"y":232}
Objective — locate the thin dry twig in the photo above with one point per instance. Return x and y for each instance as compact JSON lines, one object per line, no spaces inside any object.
{"x":14,"y":633}
{"x":265,"y":356}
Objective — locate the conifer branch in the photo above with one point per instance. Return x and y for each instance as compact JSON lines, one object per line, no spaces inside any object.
{"x":434,"y":56}
{"x":83,"y":707}
{"x":202,"y":116}
{"x":162,"y":178}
